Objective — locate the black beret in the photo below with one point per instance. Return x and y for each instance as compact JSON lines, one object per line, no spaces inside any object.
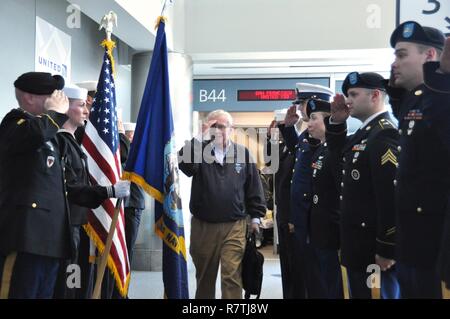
{"x":367,"y":80}
{"x":411,"y":31}
{"x":317,"y":106}
{"x":39,"y":83}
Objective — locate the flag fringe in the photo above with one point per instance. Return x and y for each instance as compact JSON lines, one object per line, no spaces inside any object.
{"x":137,"y":179}
{"x":162,"y":231}
{"x":109,"y":46}
{"x":123,"y":290}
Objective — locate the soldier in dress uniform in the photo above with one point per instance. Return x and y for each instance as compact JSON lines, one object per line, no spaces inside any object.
{"x":34,"y":217}
{"x":82,"y":196}
{"x":367,"y":191}
{"x":324,"y":215}
{"x":419,"y":92}
{"x":303,"y":146}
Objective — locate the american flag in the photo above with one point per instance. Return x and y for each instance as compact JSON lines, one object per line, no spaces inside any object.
{"x":101,"y":144}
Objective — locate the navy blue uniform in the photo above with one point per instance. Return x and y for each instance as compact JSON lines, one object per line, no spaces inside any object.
{"x":305,"y":259}
{"x":82,"y":196}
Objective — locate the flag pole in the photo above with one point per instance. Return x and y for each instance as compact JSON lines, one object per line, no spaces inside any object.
{"x":107,"y":23}
{"x":164,"y":7}
{"x":104,"y":258}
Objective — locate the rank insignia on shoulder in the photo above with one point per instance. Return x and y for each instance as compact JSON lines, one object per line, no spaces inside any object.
{"x":359,"y":147}
{"x":389,"y":157}
{"x":20,"y":121}
{"x":414,"y":115}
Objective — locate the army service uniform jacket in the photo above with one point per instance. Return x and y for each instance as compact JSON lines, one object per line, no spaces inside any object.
{"x":367,"y":192}
{"x":423,"y":175}
{"x":34,"y":215}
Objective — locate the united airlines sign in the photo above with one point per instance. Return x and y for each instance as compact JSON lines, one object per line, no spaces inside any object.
{"x":53,"y":50}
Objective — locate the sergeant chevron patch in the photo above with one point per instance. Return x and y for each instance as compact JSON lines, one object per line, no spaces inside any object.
{"x":389,"y":157}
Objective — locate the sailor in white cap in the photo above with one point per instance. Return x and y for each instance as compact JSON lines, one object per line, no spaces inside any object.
{"x":78,"y":112}
{"x":129,"y":130}
{"x":80,"y":194}
{"x":91,"y":87}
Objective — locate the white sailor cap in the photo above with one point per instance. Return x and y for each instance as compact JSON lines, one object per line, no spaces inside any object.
{"x":280,"y":114}
{"x":88,"y":85}
{"x":75,"y":92}
{"x":128,"y":126}
{"x":306,"y":91}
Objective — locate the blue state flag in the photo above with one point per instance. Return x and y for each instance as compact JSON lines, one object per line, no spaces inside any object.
{"x":152,"y":164}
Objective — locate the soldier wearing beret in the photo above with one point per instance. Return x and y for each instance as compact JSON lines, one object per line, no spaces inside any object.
{"x":367,"y":191}
{"x":324,"y":215}
{"x":419,"y":92}
{"x":34,"y":217}
{"x":81,"y":195}
{"x":303,"y":146}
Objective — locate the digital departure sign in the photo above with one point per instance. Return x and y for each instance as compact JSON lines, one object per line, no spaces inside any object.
{"x":266,"y":95}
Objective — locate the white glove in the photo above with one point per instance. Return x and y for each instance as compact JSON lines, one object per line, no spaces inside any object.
{"x":121,"y":189}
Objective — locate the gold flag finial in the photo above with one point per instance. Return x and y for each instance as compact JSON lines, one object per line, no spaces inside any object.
{"x":158,"y":21}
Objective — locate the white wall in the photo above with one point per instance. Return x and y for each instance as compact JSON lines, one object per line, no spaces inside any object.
{"x":286,"y":25}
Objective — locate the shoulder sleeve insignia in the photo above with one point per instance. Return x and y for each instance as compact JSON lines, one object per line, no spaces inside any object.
{"x":20,"y":121}
{"x":389,"y":157}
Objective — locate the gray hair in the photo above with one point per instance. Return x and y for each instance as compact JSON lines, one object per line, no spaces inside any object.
{"x":216,"y":113}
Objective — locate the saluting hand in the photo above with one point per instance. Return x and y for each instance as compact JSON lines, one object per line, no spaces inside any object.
{"x":57,"y":102}
{"x":207,"y":125}
{"x":339,"y":109}
{"x":273,"y":124}
{"x":384,"y":263}
{"x":445,"y":57}
{"x":291,"y":116}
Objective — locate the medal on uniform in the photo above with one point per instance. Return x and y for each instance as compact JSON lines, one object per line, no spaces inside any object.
{"x":50,"y":161}
{"x":355,"y":174}
{"x":414,"y":115}
{"x":315,"y":199}
{"x":359,"y":147}
{"x":238,"y":167}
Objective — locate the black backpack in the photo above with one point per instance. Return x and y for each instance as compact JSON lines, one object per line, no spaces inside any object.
{"x":252,"y":268}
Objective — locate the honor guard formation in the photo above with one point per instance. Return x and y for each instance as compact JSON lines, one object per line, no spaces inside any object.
{"x":363,"y":215}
